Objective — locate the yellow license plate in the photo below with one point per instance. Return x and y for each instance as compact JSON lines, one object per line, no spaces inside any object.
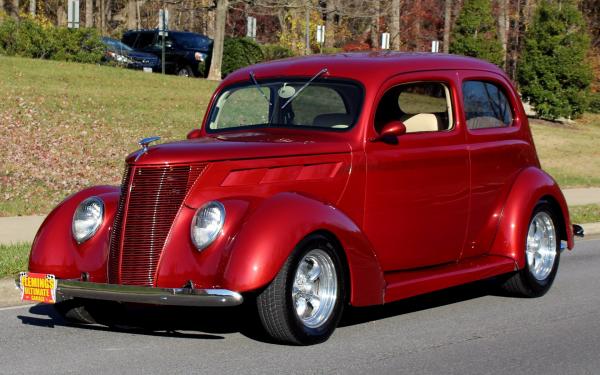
{"x":38,"y":287}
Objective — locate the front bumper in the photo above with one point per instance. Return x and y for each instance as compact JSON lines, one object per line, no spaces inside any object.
{"x":67,"y":289}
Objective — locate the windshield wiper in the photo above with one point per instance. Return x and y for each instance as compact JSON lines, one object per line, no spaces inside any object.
{"x":320,"y":73}
{"x":258,"y":87}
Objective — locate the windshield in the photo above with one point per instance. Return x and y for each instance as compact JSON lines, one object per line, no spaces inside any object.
{"x":116,"y":45}
{"x":324,"y":104}
{"x":193,"y":41}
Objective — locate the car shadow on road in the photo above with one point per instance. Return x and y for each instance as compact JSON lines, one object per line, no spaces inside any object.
{"x":212,"y":323}
{"x":163,"y":321}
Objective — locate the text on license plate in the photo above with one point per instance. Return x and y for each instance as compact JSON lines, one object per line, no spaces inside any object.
{"x":38,"y":287}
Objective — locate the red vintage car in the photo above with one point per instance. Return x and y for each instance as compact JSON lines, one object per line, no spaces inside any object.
{"x":315,"y":183}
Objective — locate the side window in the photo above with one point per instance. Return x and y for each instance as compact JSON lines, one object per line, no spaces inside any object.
{"x":143,"y":40}
{"x":485,"y":105}
{"x":421,"y":106}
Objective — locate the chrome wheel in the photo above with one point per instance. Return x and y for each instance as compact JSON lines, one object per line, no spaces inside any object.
{"x":541,"y":246}
{"x":183,"y":72}
{"x":315,"y":288}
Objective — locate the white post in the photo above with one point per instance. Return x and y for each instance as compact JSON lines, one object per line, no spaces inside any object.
{"x":385,"y":41}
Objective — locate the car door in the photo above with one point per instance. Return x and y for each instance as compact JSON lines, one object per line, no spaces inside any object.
{"x":498,"y":150}
{"x":417,"y":189}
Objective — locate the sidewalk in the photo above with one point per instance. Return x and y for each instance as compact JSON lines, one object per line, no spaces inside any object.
{"x":23,"y":228}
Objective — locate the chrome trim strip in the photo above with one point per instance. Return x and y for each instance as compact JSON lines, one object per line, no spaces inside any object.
{"x":67,"y":289}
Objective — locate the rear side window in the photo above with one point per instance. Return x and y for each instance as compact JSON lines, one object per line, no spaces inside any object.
{"x":421,"y":106}
{"x":485,"y":105}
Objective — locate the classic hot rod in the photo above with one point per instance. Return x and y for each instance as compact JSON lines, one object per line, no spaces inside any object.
{"x":315,"y":183}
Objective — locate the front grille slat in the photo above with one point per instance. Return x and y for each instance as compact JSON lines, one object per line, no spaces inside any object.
{"x":150,"y":199}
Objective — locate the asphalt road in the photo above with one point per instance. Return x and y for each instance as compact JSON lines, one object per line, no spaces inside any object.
{"x":465,"y":330}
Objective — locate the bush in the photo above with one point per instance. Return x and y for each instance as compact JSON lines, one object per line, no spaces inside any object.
{"x":594,"y":105}
{"x":79,"y":45}
{"x":553,"y":73}
{"x":35,"y":37}
{"x":238,"y":53}
{"x":475,"y":32}
{"x":275,"y":52}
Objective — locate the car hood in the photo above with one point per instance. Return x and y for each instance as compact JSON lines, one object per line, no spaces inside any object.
{"x":251,"y":145}
{"x":141,"y":55}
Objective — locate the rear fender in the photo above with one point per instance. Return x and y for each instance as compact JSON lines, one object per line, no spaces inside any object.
{"x":55,"y":251}
{"x":530,"y":186}
{"x":270,"y":233}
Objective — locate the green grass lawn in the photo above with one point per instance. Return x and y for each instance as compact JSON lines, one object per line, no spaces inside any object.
{"x":13,"y":258}
{"x":65,"y":126}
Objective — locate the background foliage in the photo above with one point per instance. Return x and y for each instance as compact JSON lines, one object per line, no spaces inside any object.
{"x":553,"y":73}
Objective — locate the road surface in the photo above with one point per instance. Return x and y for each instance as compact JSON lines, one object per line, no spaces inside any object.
{"x":465,"y":330}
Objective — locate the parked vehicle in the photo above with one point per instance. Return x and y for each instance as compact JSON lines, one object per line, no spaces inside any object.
{"x":315,"y":183}
{"x":123,"y":55}
{"x":184,"y":51}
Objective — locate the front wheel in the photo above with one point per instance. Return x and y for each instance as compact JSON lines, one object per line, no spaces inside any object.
{"x":304,"y":303}
{"x":185,"y":71}
{"x":542,"y":252}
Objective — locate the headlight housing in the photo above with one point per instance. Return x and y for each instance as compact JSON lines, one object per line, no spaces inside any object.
{"x":207,"y":224}
{"x":87,"y":219}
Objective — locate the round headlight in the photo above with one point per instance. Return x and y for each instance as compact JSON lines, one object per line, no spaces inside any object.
{"x":207,"y":224}
{"x":87,"y":219}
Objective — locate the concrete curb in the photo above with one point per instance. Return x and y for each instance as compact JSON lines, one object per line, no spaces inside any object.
{"x":591,"y":229}
{"x":19,"y":228}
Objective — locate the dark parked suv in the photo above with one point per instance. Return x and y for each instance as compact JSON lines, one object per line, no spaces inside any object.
{"x":184,"y":51}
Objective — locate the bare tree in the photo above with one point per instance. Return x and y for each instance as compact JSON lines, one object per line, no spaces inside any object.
{"x":329,"y":22}
{"x":15,"y":9}
{"x":132,"y":16}
{"x":375,"y":24}
{"x":32,"y":7}
{"x":89,"y":13}
{"x":395,"y":25}
{"x":503,"y":27}
{"x":217,"y":53}
{"x":447,"y":24}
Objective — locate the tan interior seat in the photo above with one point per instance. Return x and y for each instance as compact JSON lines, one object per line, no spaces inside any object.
{"x":421,"y":122}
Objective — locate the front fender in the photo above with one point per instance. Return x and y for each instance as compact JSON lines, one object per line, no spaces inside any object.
{"x":271,"y":232}
{"x":530,"y":186}
{"x":55,"y":251}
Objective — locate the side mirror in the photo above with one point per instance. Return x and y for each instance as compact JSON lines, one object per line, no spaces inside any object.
{"x":390,"y":132}
{"x":194,"y":134}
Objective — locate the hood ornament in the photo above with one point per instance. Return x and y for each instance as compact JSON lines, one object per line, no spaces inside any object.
{"x":145,"y":142}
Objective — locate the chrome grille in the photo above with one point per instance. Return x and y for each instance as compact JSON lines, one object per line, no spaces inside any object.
{"x":150,"y":199}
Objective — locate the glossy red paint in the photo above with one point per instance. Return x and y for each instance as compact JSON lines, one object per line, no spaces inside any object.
{"x":432,"y":210}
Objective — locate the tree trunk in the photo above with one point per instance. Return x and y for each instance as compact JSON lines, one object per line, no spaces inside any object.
{"x":503,"y":27}
{"x":329,"y":16}
{"x":89,"y":13}
{"x":1,"y":5}
{"x":132,"y":16}
{"x":32,"y":7}
{"x":102,"y":11}
{"x":447,"y":25}
{"x":61,"y":16}
{"x":395,"y":26}
{"x":375,"y":24}
{"x":14,"y":11}
{"x":217,"y":54}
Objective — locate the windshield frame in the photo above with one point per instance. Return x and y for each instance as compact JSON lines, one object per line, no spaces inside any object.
{"x":295,"y":79}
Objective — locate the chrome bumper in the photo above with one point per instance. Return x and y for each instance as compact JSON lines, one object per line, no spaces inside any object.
{"x":67,"y":289}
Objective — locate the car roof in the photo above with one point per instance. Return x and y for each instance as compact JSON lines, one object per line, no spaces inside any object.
{"x":362,"y":66}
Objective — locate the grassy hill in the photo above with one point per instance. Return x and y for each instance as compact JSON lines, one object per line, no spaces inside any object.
{"x":66,"y":126}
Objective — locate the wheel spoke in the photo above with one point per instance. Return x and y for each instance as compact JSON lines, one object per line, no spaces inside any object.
{"x":314,"y":301}
{"x":314,"y":273}
{"x":301,"y":306}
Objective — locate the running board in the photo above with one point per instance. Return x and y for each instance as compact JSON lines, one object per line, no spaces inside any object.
{"x":404,"y":284}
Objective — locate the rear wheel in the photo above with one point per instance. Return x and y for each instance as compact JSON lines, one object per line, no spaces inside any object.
{"x":185,"y":71}
{"x":304,"y":302}
{"x":542,"y":253}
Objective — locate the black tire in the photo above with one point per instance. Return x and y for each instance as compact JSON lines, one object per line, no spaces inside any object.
{"x":74,"y":311}
{"x":522,"y":283}
{"x":185,"y":71}
{"x":276,"y":306}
